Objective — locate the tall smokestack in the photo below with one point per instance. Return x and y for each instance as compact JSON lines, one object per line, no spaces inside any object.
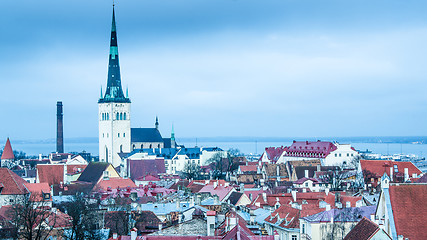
{"x":59,"y":129}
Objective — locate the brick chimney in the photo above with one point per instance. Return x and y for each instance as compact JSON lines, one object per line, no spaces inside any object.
{"x":59,"y":128}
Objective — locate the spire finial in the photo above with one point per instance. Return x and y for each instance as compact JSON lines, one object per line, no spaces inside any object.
{"x":157,"y":123}
{"x":113,"y":4}
{"x":173,"y":133}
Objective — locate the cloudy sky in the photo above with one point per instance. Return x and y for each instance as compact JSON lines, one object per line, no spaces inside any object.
{"x":279,"y":68}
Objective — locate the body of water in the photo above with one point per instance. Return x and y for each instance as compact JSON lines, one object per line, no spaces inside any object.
{"x":255,"y":147}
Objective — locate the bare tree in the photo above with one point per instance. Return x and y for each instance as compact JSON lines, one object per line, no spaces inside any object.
{"x":85,"y":219}
{"x":191,"y":170}
{"x":335,"y":178}
{"x":118,"y":216}
{"x":217,"y":165}
{"x":32,"y":219}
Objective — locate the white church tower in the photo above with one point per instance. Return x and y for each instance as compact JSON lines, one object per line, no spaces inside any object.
{"x":114,"y":111}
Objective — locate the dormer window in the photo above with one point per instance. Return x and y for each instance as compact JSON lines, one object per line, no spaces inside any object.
{"x":46,"y":196}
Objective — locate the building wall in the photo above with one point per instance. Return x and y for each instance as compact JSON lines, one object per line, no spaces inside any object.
{"x":320,"y":231}
{"x":6,"y":200}
{"x":344,"y":153}
{"x":114,"y":134}
{"x":290,"y":234}
{"x":142,"y":145}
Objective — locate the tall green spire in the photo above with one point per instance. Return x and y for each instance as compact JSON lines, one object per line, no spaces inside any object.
{"x":114,"y":91}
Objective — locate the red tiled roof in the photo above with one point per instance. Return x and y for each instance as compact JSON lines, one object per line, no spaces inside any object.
{"x":363,"y":230}
{"x":220,"y":190}
{"x":74,"y":169}
{"x":273,"y":153}
{"x":408,"y":202}
{"x":285,"y":216}
{"x":148,"y":178}
{"x":317,"y":149}
{"x":11,"y":183}
{"x":250,"y":168}
{"x":114,"y":183}
{"x":139,"y":168}
{"x":7,"y":151}
{"x":379,"y":167}
{"x":37,"y":190}
{"x":50,"y":173}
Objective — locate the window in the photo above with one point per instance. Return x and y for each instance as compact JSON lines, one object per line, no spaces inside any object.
{"x":335,"y":154}
{"x":306,"y":184}
{"x":348,"y":154}
{"x":121,"y":116}
{"x":124,"y":116}
{"x":118,"y":134}
{"x":124,"y":135}
{"x":340,"y":154}
{"x":294,"y":237}
{"x":106,"y":175}
{"x":303,"y":228}
{"x":117,"y":116}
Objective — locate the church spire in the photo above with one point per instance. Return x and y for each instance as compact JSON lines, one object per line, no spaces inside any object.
{"x":114,"y":91}
{"x":157,"y":123}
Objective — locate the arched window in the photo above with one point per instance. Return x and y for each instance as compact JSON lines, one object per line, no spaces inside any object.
{"x":124,"y":116}
{"x":150,"y":146}
{"x":124,"y":134}
{"x":108,"y":116}
{"x":102,"y":116}
{"x":118,"y":134}
{"x":106,"y":154}
{"x":121,"y":116}
{"x":133,"y":147}
{"x":121,"y":148}
{"x":158,"y":145}
{"x":117,"y":116}
{"x":142,"y":146}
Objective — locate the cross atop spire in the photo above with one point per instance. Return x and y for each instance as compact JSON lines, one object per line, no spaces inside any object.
{"x":114,"y":91}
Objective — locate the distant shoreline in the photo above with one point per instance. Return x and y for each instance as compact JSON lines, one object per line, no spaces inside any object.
{"x":368,"y":139}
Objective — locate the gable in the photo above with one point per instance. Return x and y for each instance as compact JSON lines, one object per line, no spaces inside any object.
{"x":94,"y":172}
